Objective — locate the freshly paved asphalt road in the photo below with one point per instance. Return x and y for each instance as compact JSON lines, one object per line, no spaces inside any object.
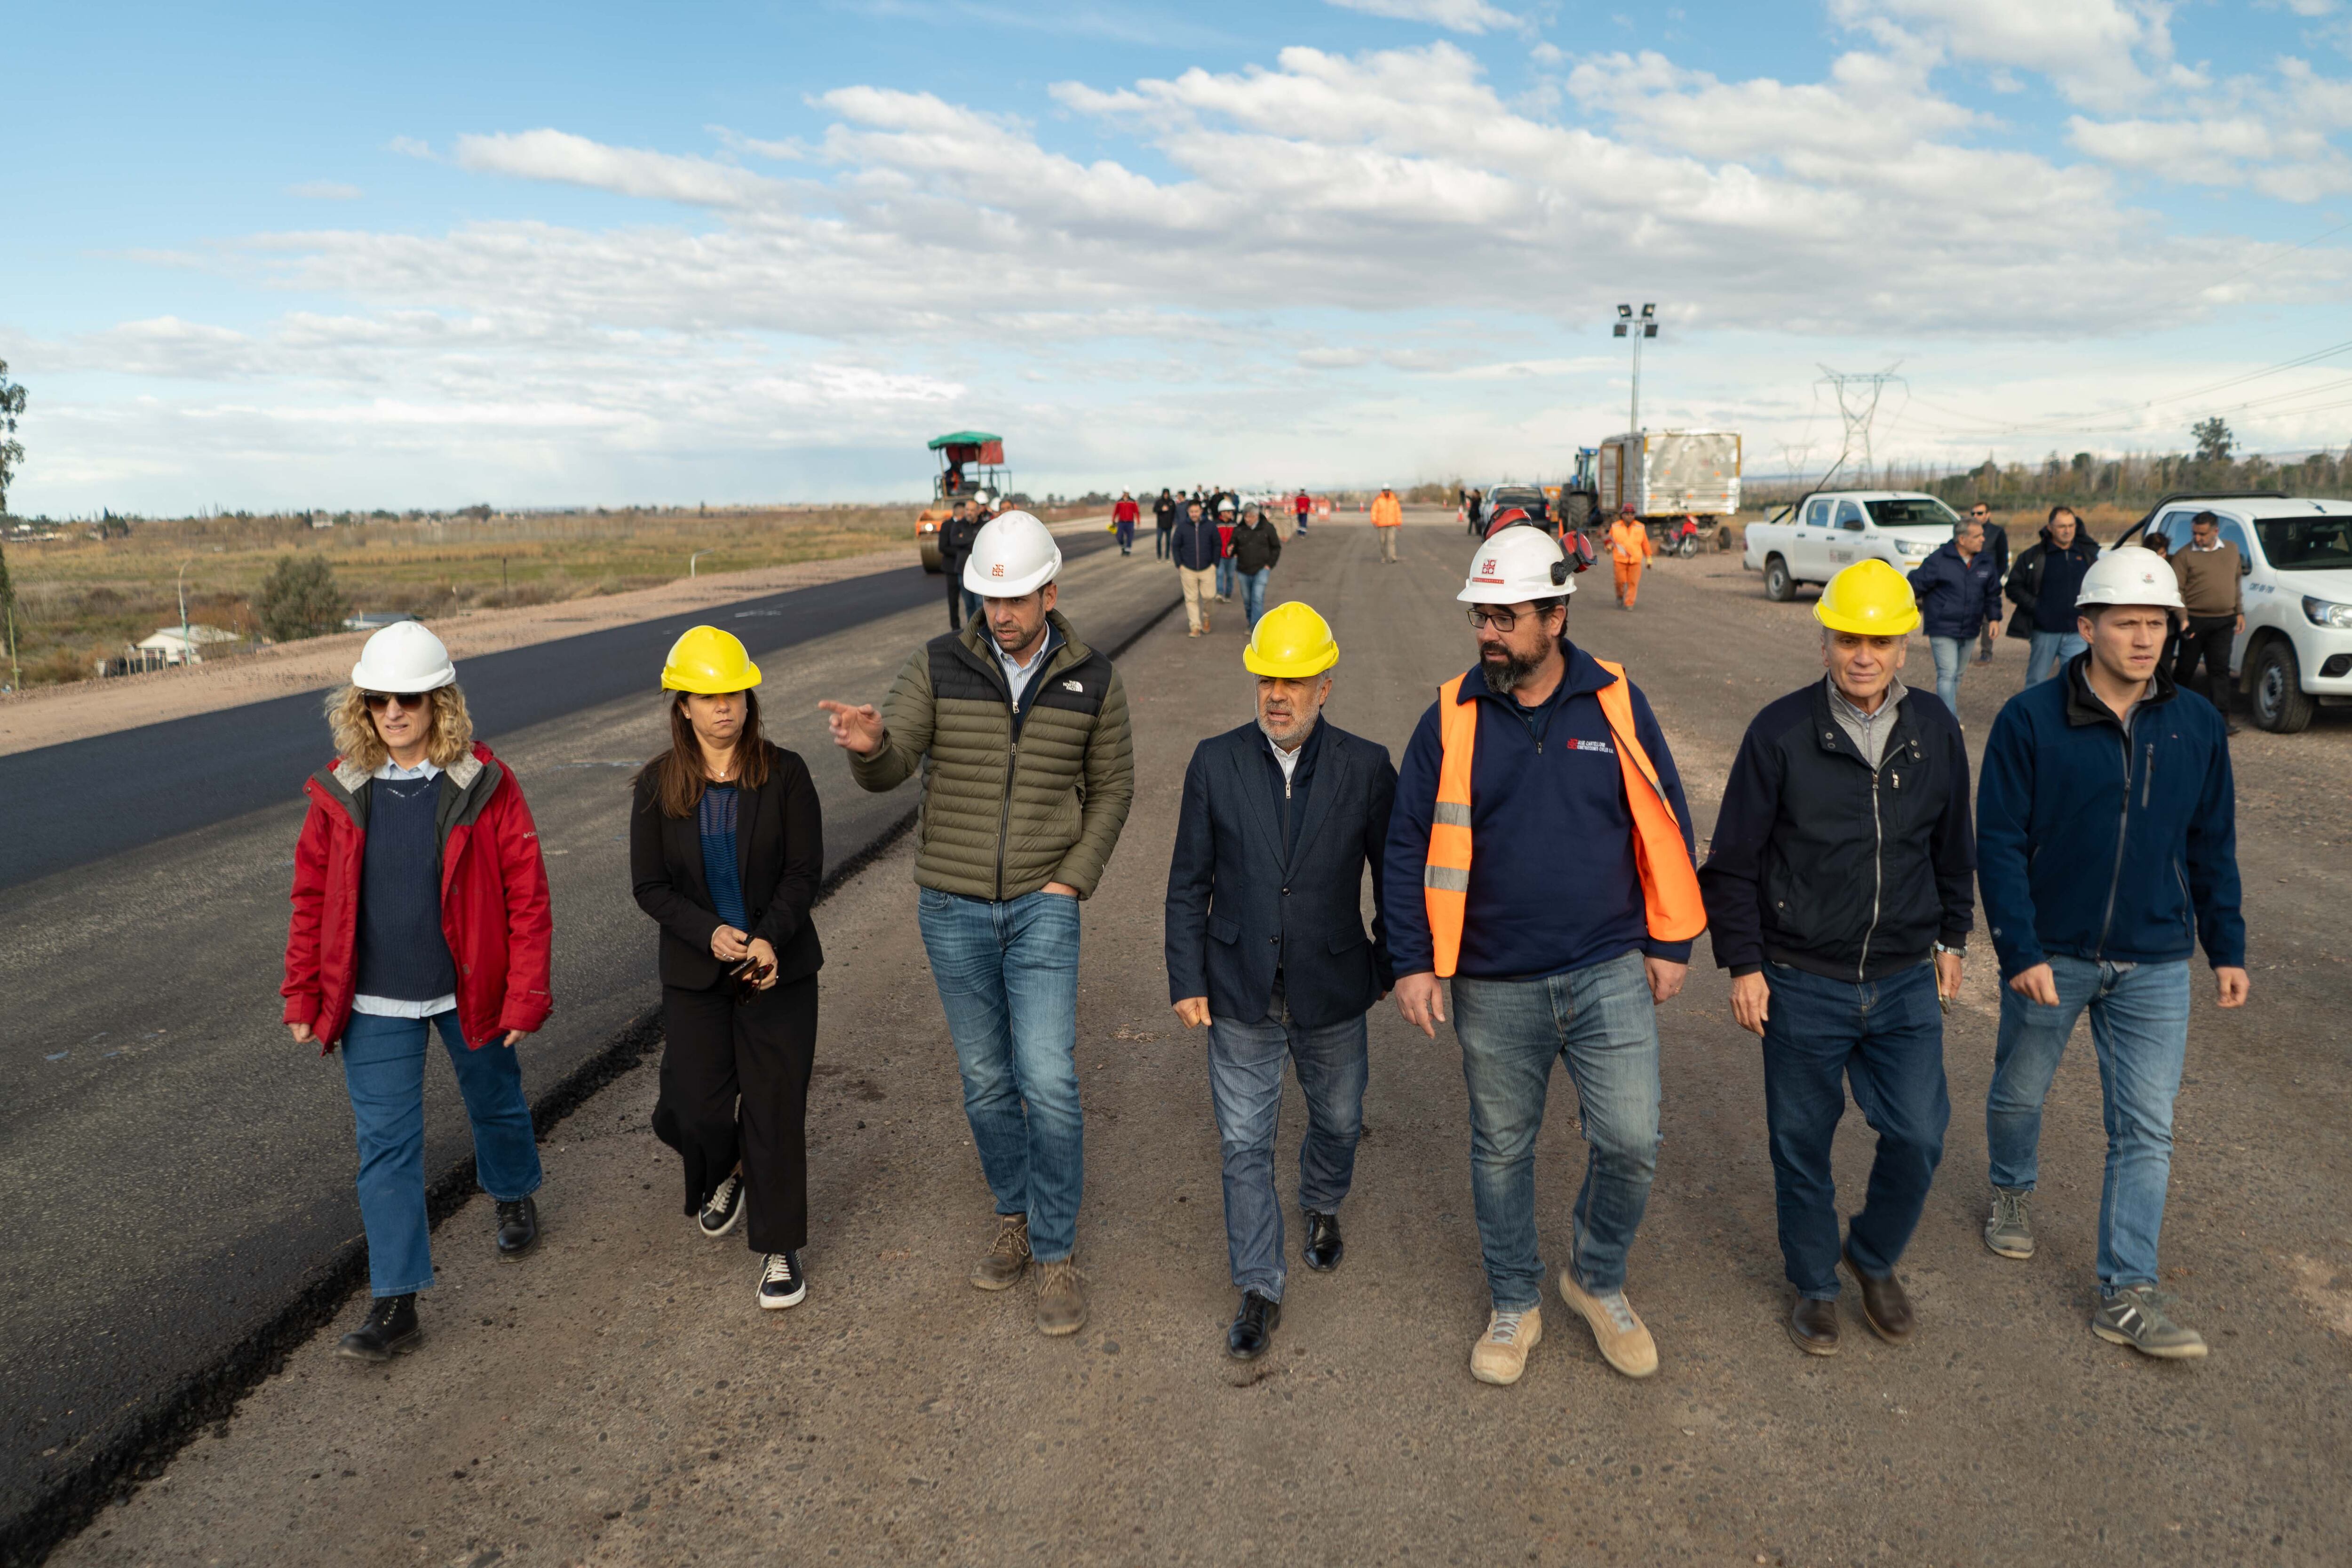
{"x":173,"y":1169}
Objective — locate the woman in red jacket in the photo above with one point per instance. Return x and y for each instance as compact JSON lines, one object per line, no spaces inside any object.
{"x":420,"y":902}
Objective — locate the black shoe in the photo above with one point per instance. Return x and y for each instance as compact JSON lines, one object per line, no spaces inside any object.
{"x":1814,"y":1326}
{"x":518,"y":1228}
{"x":1885,"y":1305}
{"x":1253,"y":1327}
{"x":391,"y":1330}
{"x":1324,"y":1248}
{"x":782,"y":1283}
{"x":723,"y":1208}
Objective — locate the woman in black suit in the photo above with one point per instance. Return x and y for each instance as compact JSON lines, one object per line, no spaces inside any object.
{"x":726,"y":849}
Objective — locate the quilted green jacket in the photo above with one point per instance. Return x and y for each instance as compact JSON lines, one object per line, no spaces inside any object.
{"x":1011,"y":802}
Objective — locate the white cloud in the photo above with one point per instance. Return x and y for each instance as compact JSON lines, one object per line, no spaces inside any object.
{"x":561,"y":156}
{"x":325,"y":191}
{"x":1454,"y":15}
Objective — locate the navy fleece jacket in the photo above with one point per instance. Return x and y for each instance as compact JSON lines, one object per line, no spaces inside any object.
{"x":1553,"y":885}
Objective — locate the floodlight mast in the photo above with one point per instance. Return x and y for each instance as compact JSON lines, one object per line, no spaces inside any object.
{"x":1629,"y":325}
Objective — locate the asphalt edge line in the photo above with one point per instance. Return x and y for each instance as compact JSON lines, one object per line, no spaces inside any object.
{"x":211,"y":1395}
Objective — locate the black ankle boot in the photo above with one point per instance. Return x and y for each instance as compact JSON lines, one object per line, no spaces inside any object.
{"x":518,"y":1228}
{"x":390,"y":1330}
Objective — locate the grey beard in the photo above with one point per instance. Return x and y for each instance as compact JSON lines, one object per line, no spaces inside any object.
{"x":1514,"y":670}
{"x":1304,"y":731}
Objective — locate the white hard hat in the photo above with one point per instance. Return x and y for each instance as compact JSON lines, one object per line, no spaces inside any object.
{"x":2128,"y":574}
{"x":1517,"y":564}
{"x":405,"y":658}
{"x":1013,"y":555}
{"x":982,"y":497}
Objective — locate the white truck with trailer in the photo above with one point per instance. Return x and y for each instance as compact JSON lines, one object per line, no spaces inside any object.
{"x":1669,"y":475}
{"x":1828,"y":531}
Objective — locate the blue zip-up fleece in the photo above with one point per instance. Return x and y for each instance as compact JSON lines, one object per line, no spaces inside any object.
{"x":1552,"y":881}
{"x":2140,"y":826}
{"x":1196,"y":545}
{"x":1956,"y":597}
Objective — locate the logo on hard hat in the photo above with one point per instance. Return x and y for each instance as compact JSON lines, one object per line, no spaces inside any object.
{"x":1485,"y":566}
{"x":997,"y":570}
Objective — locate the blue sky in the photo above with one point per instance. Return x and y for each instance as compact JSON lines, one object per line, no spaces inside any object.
{"x":537,"y":254}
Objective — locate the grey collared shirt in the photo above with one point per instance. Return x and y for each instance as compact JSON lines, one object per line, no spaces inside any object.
{"x":1868,"y":731}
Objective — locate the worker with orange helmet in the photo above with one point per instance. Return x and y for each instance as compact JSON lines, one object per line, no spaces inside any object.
{"x":1629,"y":548}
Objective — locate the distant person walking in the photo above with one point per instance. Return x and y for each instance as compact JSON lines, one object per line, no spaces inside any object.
{"x":1958,"y":592}
{"x":1629,"y":551}
{"x":1388,"y":519}
{"x":2211,"y":573}
{"x":1197,"y":548}
{"x":1228,"y":519}
{"x":1996,"y":546}
{"x":1019,"y":731}
{"x":1163,"y":515}
{"x":1288,"y":804}
{"x":1122,"y":518}
{"x":1257,"y":547}
{"x":2106,"y":852}
{"x":726,"y":850}
{"x":1302,"y":505}
{"x":2043,"y":586}
{"x":956,"y":535}
{"x":420,"y":905}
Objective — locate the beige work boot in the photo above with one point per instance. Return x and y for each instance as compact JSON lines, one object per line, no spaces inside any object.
{"x":1007,"y":1257}
{"x":1624,"y":1342}
{"x":1501,"y":1353}
{"x":1061,"y":1298}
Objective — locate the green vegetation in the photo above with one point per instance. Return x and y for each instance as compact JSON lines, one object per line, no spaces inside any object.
{"x":300,"y":599}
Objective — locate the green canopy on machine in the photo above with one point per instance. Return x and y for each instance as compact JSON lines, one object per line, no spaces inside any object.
{"x":964,"y":439}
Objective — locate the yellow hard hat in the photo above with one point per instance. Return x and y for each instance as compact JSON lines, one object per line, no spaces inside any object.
{"x":1870,"y":599}
{"x":1291,"y":643}
{"x":708,"y":661}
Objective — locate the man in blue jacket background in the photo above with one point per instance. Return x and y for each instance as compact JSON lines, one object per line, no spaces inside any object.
{"x":1958,"y":590}
{"x":1265,"y":944}
{"x":2106,"y":850}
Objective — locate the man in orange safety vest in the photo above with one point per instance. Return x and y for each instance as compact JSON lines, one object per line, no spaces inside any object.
{"x":1540,"y":810}
{"x":1630,"y":547}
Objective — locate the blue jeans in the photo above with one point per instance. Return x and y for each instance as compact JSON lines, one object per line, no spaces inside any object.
{"x":1126,"y":537}
{"x":1951,"y":657}
{"x":1602,"y":1020}
{"x":2139,"y":1027}
{"x":1008,"y":980}
{"x":1245,"y":1086}
{"x":1224,"y":576}
{"x":1884,"y":1037}
{"x":1253,"y":595}
{"x":384,"y":1068}
{"x":2049,"y":653}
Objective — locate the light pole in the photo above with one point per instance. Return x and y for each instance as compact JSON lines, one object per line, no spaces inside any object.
{"x":1629,"y":325}
{"x":693,"y":558}
{"x":187,"y":647}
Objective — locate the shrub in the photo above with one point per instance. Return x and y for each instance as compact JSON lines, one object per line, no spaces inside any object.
{"x":300,"y":599}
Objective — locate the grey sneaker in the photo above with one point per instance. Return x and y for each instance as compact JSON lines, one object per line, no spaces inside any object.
{"x":1007,"y":1257}
{"x":2009,"y":1230}
{"x":2135,"y":1316}
{"x":1061,"y":1298}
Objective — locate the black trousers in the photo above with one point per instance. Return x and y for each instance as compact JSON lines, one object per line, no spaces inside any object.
{"x":2208,"y":637}
{"x":958,"y":613}
{"x":734,"y":1085}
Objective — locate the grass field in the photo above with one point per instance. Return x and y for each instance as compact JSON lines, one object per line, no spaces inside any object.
{"x":82,"y":599}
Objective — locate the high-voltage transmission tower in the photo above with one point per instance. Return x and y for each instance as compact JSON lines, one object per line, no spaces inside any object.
{"x":1857,"y":401}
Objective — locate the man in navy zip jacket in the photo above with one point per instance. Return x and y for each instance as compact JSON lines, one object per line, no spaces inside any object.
{"x":1841,"y":858}
{"x":2106,"y":850}
{"x":1555,"y":956}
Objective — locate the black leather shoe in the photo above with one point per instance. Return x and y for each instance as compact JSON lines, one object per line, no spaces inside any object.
{"x":1324,"y":1248}
{"x":1253,"y":1327}
{"x":1814,"y":1326}
{"x":1885,"y":1307}
{"x":391,"y":1330}
{"x":518,"y":1228}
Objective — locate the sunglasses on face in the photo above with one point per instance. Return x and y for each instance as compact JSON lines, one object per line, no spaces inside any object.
{"x":377,"y":701}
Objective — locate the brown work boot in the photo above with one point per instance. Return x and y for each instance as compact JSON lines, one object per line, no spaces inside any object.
{"x":1007,"y":1257}
{"x":1885,"y":1305}
{"x":1624,"y":1342}
{"x":1061,"y":1298}
{"x":1501,"y":1353}
{"x":1814,"y":1324}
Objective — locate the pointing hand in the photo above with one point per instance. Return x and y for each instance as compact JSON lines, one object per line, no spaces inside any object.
{"x":858,"y":730}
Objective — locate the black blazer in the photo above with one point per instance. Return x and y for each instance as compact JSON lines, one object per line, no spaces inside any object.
{"x":779,"y":856}
{"x":1239,"y":907}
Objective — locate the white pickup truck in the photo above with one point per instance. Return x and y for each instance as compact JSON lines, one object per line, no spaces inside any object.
{"x":1829,"y":530}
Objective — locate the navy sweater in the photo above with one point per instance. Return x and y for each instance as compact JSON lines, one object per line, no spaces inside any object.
{"x":1553,"y":886}
{"x":402,"y":955}
{"x":2103,"y":842}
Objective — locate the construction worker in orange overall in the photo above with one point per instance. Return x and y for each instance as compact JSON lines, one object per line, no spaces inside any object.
{"x":1388,"y":516}
{"x":1629,"y":543}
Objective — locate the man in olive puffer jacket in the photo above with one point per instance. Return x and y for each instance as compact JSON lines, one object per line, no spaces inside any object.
{"x":1021,"y":734}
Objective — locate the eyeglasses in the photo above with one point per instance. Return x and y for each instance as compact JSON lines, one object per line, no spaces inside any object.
{"x":1979,"y":513}
{"x":378,"y":700}
{"x":1501,"y":620}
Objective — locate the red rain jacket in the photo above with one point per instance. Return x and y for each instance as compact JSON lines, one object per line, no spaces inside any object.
{"x":494,"y":902}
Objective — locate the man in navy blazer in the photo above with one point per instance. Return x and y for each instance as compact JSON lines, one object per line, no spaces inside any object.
{"x":1266,"y":946}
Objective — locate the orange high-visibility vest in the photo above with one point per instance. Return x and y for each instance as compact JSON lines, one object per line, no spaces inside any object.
{"x":1670,"y":895}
